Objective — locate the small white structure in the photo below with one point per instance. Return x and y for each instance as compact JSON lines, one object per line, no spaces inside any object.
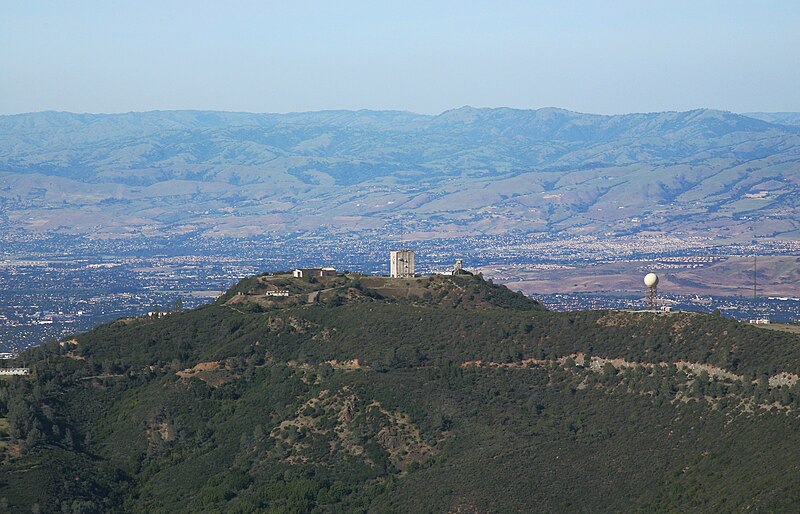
{"x":14,"y":371}
{"x":401,"y":263}
{"x":759,"y":321}
{"x":314,"y":272}
{"x":7,"y":355}
{"x":281,"y":292}
{"x":458,"y":269}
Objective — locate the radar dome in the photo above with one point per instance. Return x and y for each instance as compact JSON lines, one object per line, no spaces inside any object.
{"x":651,"y":280}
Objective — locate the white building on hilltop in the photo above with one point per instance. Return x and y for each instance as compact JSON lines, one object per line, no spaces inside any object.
{"x":15,"y":371}
{"x":401,"y":263}
{"x":314,"y":272}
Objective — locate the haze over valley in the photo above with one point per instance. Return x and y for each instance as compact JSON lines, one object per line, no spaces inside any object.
{"x":396,"y":257}
{"x":464,"y":172}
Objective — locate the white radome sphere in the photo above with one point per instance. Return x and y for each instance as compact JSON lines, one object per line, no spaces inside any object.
{"x":651,"y":280}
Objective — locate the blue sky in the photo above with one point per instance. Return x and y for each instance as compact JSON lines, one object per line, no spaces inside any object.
{"x":590,"y":56}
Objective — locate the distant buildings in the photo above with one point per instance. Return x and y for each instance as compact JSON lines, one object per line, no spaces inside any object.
{"x":14,"y":371}
{"x":314,"y":272}
{"x":401,"y":264}
{"x":458,"y":269}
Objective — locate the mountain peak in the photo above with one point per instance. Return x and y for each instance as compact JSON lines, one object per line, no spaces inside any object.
{"x":466,"y":291}
{"x":359,"y":405}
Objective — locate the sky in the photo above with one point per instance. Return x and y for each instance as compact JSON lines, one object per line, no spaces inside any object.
{"x":599,"y":56}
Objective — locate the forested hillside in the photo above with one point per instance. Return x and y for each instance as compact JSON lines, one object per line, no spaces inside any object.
{"x":363,"y":394}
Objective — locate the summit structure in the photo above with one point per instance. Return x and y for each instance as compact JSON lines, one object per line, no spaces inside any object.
{"x":401,"y":264}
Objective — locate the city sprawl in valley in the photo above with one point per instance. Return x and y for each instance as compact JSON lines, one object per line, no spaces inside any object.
{"x":109,"y":215}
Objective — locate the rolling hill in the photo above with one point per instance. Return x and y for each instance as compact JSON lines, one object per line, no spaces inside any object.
{"x":365,"y":394}
{"x":781,"y":118}
{"x":462,"y":172}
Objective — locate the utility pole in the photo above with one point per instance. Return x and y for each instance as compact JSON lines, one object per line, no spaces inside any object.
{"x":755,"y":271}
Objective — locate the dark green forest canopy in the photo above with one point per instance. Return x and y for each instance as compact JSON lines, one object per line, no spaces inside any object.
{"x":366,"y":394}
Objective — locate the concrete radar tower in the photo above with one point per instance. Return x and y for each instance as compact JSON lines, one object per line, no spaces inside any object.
{"x":401,"y":264}
{"x":651,"y":281}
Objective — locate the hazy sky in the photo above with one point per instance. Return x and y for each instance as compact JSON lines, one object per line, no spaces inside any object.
{"x":427,"y":56}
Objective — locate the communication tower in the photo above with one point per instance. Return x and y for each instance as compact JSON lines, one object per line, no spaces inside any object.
{"x":651,"y":281}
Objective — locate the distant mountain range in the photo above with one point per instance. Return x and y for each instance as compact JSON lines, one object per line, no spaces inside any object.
{"x":781,"y":118}
{"x":465,"y":171}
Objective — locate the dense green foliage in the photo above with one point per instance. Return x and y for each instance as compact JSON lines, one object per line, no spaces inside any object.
{"x":466,"y":398}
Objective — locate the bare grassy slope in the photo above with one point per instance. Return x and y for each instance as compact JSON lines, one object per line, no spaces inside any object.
{"x":464,"y":170}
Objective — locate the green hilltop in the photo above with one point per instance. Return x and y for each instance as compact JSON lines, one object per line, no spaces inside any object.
{"x":433,"y":394}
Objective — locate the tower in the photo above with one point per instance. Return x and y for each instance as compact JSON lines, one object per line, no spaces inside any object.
{"x":401,"y":263}
{"x":651,"y":281}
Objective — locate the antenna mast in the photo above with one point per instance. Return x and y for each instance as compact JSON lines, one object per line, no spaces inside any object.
{"x":755,"y":271}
